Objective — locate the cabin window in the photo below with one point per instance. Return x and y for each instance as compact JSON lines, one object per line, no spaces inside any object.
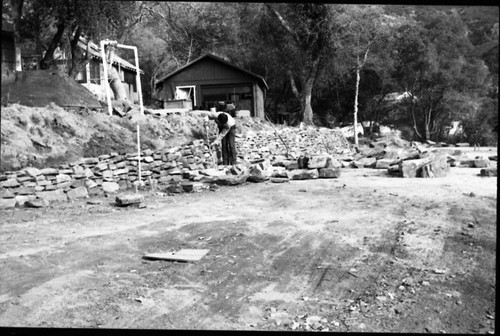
{"x":186,"y":93}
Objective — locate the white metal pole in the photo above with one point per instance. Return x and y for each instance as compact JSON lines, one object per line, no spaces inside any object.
{"x":106,"y":85}
{"x":139,"y":155}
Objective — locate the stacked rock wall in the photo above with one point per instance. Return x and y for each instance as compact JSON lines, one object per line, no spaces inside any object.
{"x":178,"y":169}
{"x":106,"y":173}
{"x":307,"y":141}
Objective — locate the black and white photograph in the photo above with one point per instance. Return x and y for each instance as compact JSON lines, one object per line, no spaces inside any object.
{"x":248,"y":166}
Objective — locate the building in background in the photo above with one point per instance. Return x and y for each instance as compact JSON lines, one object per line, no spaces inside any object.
{"x":209,"y":82}
{"x":92,"y":77}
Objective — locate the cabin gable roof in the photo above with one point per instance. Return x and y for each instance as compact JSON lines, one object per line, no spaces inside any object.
{"x":218,"y":60}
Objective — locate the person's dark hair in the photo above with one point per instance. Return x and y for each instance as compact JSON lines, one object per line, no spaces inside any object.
{"x":222,"y":118}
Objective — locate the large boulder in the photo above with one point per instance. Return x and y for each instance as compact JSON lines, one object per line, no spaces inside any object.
{"x":31,"y":171}
{"x":438,"y":167}
{"x":302,"y":174}
{"x":76,"y":193}
{"x":367,"y":162}
{"x":10,"y":183}
{"x":492,"y":171}
{"x":257,"y":174}
{"x":22,"y":199}
{"x":57,"y":195}
{"x":110,"y":187}
{"x":384,"y":163}
{"x":129,"y":199}
{"x":334,"y":163}
{"x":229,"y":180}
{"x":279,"y":179}
{"x":278,"y":171}
{"x":7,"y":203}
{"x":432,"y":164}
{"x":481,"y":162}
{"x":318,"y":161}
{"x":329,"y":172}
{"x":413,"y":168}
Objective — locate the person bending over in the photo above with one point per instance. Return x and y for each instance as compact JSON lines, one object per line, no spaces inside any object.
{"x":226,"y":136}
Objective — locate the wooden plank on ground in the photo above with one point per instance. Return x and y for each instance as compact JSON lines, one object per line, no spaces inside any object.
{"x":182,"y":255}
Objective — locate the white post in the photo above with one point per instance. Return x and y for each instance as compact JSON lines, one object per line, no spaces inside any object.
{"x":106,"y":85}
{"x":139,"y":154}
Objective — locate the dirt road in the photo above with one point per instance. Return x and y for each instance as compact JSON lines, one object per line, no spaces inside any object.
{"x":365,"y":252}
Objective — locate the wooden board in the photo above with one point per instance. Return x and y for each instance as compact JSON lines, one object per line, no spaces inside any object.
{"x":182,"y":255}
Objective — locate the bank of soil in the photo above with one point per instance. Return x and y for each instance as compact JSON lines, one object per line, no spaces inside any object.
{"x":52,"y":135}
{"x":364,"y":252}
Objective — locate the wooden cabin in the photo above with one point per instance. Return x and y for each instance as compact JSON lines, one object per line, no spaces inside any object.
{"x":210,"y":81}
{"x":92,"y":77}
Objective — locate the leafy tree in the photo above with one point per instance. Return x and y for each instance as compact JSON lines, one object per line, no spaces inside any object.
{"x":433,"y":66}
{"x":301,"y":38}
{"x":365,"y":30}
{"x":175,"y":33}
{"x":191,"y":29}
{"x":62,"y":22}
{"x":481,"y":123}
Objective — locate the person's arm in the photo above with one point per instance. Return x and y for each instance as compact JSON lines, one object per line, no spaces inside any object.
{"x":212,"y":115}
{"x":221,"y":135}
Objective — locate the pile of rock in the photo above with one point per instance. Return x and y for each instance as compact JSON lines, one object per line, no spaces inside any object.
{"x":282,"y":169}
{"x":411,"y":159}
{"x":306,"y":141}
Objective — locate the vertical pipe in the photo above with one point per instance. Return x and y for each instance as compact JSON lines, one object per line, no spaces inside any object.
{"x":105,"y":67}
{"x":138,"y":154}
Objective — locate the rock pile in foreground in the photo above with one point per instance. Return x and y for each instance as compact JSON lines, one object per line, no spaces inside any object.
{"x":411,"y":159}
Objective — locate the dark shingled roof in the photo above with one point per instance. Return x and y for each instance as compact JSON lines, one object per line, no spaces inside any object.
{"x":258,"y":77}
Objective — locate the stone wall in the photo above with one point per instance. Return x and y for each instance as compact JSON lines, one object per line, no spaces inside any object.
{"x":103,"y":174}
{"x":180,"y":169}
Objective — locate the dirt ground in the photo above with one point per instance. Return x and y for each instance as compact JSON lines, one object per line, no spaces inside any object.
{"x":362,"y":253}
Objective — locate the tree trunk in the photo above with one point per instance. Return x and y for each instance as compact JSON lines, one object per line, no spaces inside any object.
{"x":427,"y":133}
{"x":428,"y":116}
{"x":76,"y":66}
{"x":414,"y":120}
{"x":49,"y":54}
{"x":356,"y":107}
{"x":307,"y":111}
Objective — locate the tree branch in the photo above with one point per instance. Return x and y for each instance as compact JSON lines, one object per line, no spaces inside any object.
{"x":283,"y":23}
{"x":294,"y":86}
{"x":49,"y":54}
